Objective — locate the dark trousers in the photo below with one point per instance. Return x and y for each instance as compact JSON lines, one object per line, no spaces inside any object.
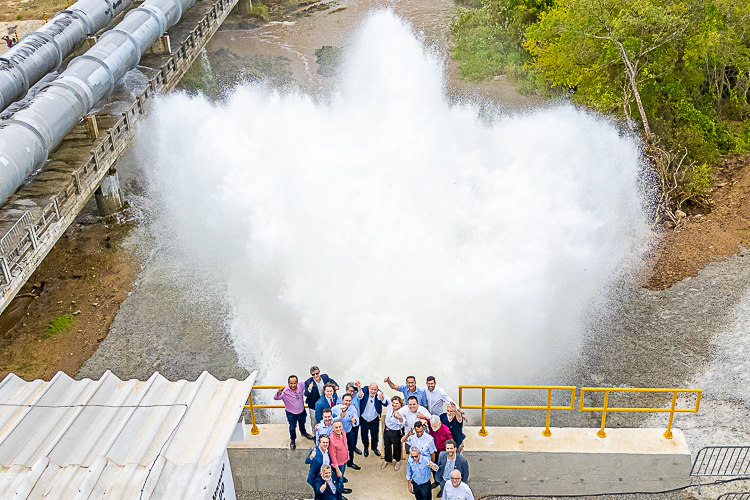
{"x":422,"y":491}
{"x":370,"y":431}
{"x":351,"y":441}
{"x":392,"y":442}
{"x":295,"y":419}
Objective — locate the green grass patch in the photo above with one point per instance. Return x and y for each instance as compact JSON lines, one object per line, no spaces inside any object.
{"x":260,"y":9}
{"x":59,"y":324}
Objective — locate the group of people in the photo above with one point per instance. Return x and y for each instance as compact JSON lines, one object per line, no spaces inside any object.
{"x":9,"y":41}
{"x":425,"y":426}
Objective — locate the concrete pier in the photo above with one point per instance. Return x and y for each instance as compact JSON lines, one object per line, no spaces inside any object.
{"x":510,"y":460}
{"x":108,"y":195}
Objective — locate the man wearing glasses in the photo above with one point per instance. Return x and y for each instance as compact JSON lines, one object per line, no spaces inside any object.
{"x":314,"y":390}
{"x":457,"y":489}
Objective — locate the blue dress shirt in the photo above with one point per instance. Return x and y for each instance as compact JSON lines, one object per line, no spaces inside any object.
{"x":346,"y":418}
{"x":419,"y":472}
{"x":418,"y":393}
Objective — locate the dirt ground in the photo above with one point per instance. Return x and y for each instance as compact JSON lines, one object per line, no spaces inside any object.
{"x":701,"y":238}
{"x":87,"y":275}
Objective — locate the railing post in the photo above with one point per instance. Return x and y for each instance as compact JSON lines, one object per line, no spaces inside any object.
{"x":255,"y":429}
{"x":668,"y":433}
{"x":32,"y":236}
{"x":56,"y":206}
{"x":483,"y":431}
{"x":601,"y":432}
{"x":6,"y":269}
{"x":547,"y":432}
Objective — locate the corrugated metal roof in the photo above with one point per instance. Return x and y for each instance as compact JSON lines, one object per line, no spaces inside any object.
{"x":114,"y":439}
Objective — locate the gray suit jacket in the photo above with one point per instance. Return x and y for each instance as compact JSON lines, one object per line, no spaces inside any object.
{"x":461,"y":464}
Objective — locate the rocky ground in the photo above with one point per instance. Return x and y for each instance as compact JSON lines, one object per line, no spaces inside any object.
{"x":84,"y":279}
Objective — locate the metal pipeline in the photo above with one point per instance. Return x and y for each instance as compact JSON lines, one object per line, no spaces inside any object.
{"x":27,"y":139}
{"x":43,"y":51}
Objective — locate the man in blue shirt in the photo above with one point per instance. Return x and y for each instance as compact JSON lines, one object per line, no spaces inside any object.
{"x":418,"y":475}
{"x":410,"y":389}
{"x":348,"y":415}
{"x":354,"y":389}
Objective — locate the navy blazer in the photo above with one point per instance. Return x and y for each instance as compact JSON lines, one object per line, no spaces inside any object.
{"x":327,"y":494}
{"x":311,"y":397}
{"x":322,"y":404}
{"x":315,"y":465}
{"x":461,"y":464}
{"x":378,"y":404}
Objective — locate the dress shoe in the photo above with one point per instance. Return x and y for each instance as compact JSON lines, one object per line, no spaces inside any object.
{"x":440,"y":494}
{"x":367,"y":452}
{"x":346,"y":490}
{"x":357,"y":451}
{"x":344,"y":480}
{"x":293,"y":445}
{"x":354,"y":466}
{"x":308,"y":436}
{"x":435,"y":485}
{"x":376,"y":452}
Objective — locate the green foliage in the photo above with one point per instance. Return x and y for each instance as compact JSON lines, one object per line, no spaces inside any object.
{"x":688,"y":61}
{"x":19,"y":17}
{"x":260,"y":9}
{"x":59,"y":324}
{"x":489,"y":41}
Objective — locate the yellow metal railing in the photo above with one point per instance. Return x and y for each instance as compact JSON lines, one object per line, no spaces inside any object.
{"x":548,"y":407}
{"x":251,"y":406}
{"x":672,"y":410}
{"x":484,"y":406}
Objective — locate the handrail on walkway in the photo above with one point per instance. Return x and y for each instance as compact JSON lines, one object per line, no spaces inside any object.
{"x":251,"y":406}
{"x":548,"y":407}
{"x":672,"y":410}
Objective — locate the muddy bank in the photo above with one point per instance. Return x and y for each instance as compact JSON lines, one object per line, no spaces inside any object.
{"x":62,"y":314}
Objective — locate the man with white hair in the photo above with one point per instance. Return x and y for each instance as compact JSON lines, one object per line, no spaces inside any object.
{"x":371,"y":408}
{"x":457,"y":489}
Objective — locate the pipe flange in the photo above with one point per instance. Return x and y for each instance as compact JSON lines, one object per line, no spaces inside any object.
{"x":81,"y":17}
{"x":70,"y":88}
{"x":101,"y":63}
{"x":33,"y":129}
{"x":47,"y":38}
{"x":132,"y":40}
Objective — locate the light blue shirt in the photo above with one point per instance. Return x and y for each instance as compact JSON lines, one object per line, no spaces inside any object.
{"x":449,"y":466}
{"x":322,"y":430}
{"x":346,"y":418}
{"x":418,"y":393}
{"x":419,"y":472}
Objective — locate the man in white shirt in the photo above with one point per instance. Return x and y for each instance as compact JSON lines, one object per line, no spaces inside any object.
{"x":414,"y":412}
{"x":434,"y":398}
{"x":457,"y":489}
{"x":419,"y":439}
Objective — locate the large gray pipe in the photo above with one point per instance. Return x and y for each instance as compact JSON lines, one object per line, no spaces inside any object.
{"x":27,"y":139}
{"x":43,"y":51}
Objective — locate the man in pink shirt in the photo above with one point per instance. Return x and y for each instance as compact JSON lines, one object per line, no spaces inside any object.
{"x":292,"y":394}
{"x":339,"y":453}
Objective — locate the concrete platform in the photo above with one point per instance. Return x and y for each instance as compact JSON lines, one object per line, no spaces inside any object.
{"x":510,"y":460}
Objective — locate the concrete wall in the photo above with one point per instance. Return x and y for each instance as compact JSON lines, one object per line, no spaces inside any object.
{"x":510,"y":460}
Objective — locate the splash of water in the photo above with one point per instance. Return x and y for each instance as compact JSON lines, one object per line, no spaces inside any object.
{"x":387,"y":232}
{"x":206,"y":66}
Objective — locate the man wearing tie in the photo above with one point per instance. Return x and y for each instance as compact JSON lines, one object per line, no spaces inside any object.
{"x":329,"y":400}
{"x":371,"y":408}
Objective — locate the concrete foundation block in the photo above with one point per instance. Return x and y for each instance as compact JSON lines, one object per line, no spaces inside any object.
{"x":109,"y":196}
{"x":509,"y":461}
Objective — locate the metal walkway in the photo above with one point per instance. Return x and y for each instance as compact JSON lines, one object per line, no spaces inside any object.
{"x":37,"y":214}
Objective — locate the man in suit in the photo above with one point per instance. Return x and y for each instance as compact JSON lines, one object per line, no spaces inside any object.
{"x":449,"y":460}
{"x":314,"y":390}
{"x":329,"y":400}
{"x":325,"y":487}
{"x":371,"y":408}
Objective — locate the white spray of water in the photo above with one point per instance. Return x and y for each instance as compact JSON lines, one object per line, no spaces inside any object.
{"x":390,"y":233}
